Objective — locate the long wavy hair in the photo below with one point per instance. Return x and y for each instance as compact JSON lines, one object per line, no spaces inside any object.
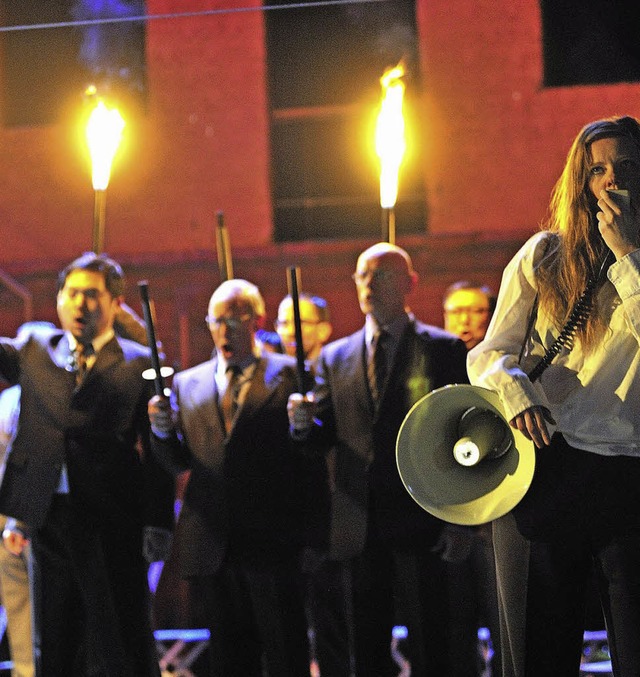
{"x":577,"y":250}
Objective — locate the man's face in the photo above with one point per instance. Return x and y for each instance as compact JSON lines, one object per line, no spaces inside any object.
{"x":233,"y":327}
{"x":382,"y":282}
{"x":314,"y":332}
{"x":467,"y":315}
{"x":85,"y":307}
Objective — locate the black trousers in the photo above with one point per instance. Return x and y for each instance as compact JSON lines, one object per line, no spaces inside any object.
{"x":92,"y":606}
{"x":580,"y":518}
{"x":405,"y":586}
{"x":328,"y":610}
{"x":254,"y":608}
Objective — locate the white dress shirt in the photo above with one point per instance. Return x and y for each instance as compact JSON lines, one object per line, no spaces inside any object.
{"x":9,"y":413}
{"x":594,"y":398}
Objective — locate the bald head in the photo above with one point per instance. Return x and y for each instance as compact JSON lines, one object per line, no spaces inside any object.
{"x":384,"y":278}
{"x":387,"y":250}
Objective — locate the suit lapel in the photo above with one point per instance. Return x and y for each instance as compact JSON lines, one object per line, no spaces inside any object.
{"x":206,"y":388}
{"x":198,"y":394}
{"x":60,"y":352}
{"x":264,"y":382}
{"x":108,"y":356}
{"x":355,"y":364}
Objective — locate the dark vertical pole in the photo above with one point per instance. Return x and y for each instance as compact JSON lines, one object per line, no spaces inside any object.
{"x":99,"y":218}
{"x":151,"y":336}
{"x":225,"y":264}
{"x":389,"y":225}
{"x":293,"y":280}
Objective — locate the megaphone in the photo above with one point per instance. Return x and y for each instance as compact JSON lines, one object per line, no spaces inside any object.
{"x":458,"y":457}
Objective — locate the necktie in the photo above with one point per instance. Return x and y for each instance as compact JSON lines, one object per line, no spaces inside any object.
{"x":229,"y":402}
{"x":80,"y":356}
{"x":377,"y":367}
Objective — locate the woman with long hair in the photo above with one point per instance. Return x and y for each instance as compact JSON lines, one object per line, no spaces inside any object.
{"x":563,"y":353}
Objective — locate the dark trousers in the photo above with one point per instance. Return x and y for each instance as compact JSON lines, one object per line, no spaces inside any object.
{"x":557,"y":589}
{"x":328,"y":600}
{"x":91,"y":598}
{"x":254,"y":609}
{"x":474,"y":603}
{"x":406,"y":586}
{"x":580,"y":518}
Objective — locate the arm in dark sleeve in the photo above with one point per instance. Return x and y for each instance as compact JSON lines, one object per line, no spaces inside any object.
{"x":321,"y":437}
{"x":159,"y":489}
{"x":168,"y":444}
{"x":459,"y":362}
{"x":171,"y":453}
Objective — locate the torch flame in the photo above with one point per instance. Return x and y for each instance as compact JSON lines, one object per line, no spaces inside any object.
{"x":390,"y":141}
{"x":104,"y":132}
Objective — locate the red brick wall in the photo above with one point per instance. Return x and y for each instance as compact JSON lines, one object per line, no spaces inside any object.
{"x":493,"y":142}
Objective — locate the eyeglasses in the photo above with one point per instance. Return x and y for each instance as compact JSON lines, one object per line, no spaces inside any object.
{"x":91,"y":294}
{"x":378,"y":275}
{"x":232,"y":322}
{"x":282,"y":324}
{"x":473,"y":312}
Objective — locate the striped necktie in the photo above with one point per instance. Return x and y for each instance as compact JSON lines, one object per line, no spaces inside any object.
{"x":80,"y":356}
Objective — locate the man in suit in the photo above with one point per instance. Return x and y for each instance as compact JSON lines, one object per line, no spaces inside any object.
{"x":467,"y":308}
{"x":327,"y":603}
{"x":366,"y":384}
{"x":79,"y":481}
{"x":245,"y":514}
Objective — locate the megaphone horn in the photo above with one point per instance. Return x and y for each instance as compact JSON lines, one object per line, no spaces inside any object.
{"x":483,"y":434}
{"x":459,"y":459}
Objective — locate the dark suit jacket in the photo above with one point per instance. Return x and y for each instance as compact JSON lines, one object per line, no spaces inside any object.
{"x":94,"y":429}
{"x":250,"y":486}
{"x":366,"y":473}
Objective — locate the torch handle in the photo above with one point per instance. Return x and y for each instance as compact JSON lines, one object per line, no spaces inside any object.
{"x":99,"y":219}
{"x":293,"y":280}
{"x":223,"y":246}
{"x":143,"y":286}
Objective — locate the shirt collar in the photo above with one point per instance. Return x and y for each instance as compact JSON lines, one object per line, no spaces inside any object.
{"x":97,"y":344}
{"x":222,"y":364}
{"x":395,"y":328}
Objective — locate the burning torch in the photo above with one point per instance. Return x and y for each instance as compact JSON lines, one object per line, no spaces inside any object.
{"x":104,"y":133}
{"x":390,"y":146}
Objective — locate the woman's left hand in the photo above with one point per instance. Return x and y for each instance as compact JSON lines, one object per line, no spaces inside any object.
{"x":532,"y":423}
{"x":619,"y":227}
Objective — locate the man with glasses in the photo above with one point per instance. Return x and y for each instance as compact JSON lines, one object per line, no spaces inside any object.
{"x":467,"y":311}
{"x":315,"y":324}
{"x":80,"y":478}
{"x":366,"y":384}
{"x":467,"y":307}
{"x":246,"y":514}
{"x":327,"y":601}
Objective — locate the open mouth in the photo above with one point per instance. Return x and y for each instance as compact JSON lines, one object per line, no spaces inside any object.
{"x":80,"y":322}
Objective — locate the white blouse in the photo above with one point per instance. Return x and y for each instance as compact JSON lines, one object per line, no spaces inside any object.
{"x":594,"y":398}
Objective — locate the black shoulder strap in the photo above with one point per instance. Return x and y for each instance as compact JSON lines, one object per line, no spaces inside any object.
{"x":576,"y":320}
